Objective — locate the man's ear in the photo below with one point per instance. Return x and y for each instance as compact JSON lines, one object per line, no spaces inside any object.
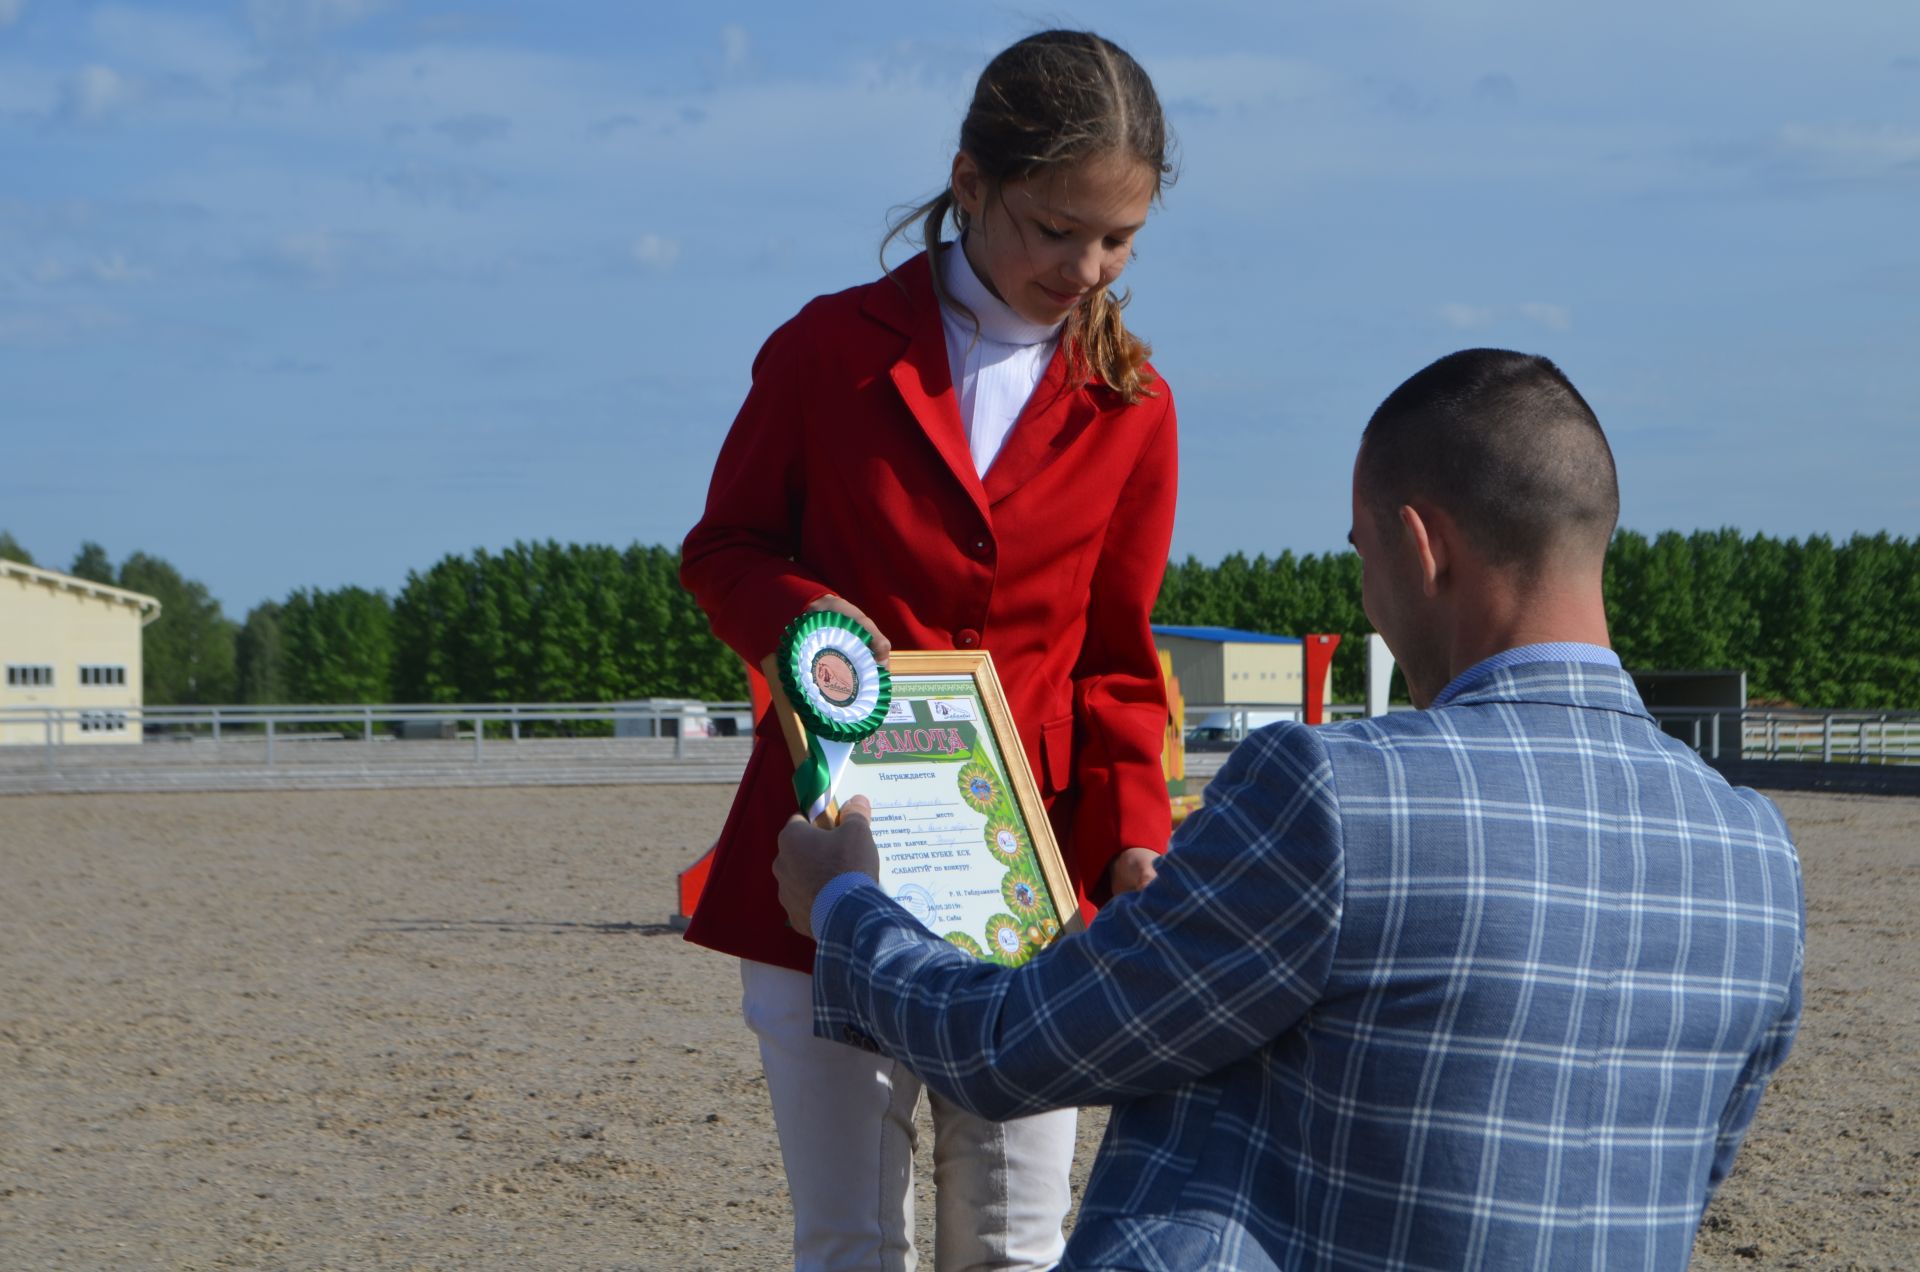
{"x":1430,"y":537}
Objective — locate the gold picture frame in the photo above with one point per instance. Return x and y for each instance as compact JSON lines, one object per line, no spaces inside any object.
{"x":944,"y":835}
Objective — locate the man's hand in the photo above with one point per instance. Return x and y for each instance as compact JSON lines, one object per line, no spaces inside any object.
{"x":1132,"y":870}
{"x":810,"y":858}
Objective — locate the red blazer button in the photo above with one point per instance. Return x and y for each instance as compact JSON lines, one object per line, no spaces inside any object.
{"x":966,"y":638}
{"x":982,"y":548}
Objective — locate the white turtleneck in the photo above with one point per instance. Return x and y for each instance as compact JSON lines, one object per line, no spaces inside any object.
{"x":995,"y":372}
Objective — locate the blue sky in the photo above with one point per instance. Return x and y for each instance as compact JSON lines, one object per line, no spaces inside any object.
{"x":312,"y":292}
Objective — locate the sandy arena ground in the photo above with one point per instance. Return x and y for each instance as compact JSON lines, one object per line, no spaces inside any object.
{"x":451,"y":1030}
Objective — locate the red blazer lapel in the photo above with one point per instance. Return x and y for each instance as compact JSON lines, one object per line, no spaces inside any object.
{"x":1054,"y":417}
{"x":922,"y":374}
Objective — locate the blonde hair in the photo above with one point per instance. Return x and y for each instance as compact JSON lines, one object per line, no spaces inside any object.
{"x":1057,"y":98}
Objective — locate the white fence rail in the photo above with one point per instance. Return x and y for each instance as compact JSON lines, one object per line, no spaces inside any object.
{"x":1777,"y":735}
{"x":425,"y":744}
{"x":1790,"y":735}
{"x":363,"y":745}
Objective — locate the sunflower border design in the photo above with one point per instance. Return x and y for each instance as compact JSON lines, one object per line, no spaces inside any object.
{"x":1001,"y":822}
{"x":1033,"y":907}
{"x":974,"y":771}
{"x":1020,"y":951}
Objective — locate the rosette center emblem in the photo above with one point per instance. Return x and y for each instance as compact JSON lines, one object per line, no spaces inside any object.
{"x":833,"y":680}
{"x":838,"y":689}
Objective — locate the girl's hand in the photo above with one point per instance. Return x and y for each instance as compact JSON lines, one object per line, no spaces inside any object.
{"x":882,"y":647}
{"x":1132,"y":870}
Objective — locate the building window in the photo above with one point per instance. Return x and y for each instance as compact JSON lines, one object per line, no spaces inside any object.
{"x":102,"y":674}
{"x":103,"y":722}
{"x":29,"y":675}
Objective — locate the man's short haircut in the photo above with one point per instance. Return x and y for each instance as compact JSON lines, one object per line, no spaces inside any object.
{"x":1506,"y":446}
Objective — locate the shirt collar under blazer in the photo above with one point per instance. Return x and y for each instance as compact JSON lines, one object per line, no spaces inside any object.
{"x":1594,"y":686}
{"x":1056,"y":414}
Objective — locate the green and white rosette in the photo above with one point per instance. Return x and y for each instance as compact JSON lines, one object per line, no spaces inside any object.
{"x":840,"y":692}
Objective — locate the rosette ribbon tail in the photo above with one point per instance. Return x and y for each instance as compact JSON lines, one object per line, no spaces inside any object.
{"x":814,"y":780}
{"x":840,"y":693}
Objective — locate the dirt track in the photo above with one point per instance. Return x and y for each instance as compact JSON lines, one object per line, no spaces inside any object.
{"x":449,"y":1029}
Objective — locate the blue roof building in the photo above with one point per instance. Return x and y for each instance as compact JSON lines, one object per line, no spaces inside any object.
{"x":1223,"y":666}
{"x":1222,"y":634}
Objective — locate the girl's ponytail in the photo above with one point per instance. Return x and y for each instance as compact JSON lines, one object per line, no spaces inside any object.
{"x":929,"y":217}
{"x":1104,"y":348}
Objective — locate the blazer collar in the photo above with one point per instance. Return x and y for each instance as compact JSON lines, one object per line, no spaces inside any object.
{"x":1060,"y":409}
{"x":906,"y":302}
{"x":1566,"y":684}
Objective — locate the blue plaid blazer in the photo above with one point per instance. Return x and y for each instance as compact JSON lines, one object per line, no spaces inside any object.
{"x":1493,"y":985}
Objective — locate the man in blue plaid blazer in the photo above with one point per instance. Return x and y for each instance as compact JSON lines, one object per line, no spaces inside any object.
{"x":1497,"y":983}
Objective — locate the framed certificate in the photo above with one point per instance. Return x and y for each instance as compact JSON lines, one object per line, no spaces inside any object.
{"x":965,"y":844}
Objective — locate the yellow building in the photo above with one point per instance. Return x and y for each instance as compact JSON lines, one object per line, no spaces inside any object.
{"x":74,"y":644}
{"x":1236,"y":680}
{"x":1221,"y":665}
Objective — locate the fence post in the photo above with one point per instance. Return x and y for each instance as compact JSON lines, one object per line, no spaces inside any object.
{"x":515,"y":722}
{"x":1826,"y":738}
{"x":1716,"y":734}
{"x":680,"y":736}
{"x":1696,"y":735}
{"x":48,"y":718}
{"x":366,"y":724}
{"x":479,"y":735}
{"x":269,"y":741}
{"x":216,"y":725}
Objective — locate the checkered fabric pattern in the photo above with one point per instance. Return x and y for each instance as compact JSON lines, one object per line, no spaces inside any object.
{"x":1493,"y":985}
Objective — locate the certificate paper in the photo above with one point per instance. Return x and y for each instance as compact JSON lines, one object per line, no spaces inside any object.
{"x":955,"y":850}
{"x":965,"y":845}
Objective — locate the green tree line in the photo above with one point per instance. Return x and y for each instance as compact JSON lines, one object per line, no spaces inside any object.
{"x":1813,"y":622}
{"x":538,"y":622}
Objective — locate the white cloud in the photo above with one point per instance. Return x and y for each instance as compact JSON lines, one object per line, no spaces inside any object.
{"x":315,"y":254}
{"x":92,"y":94}
{"x":286,"y":21}
{"x":115,"y":268}
{"x":733,"y":38}
{"x":55,"y":325}
{"x":651,"y":251}
{"x":474,"y":128}
{"x":1465,"y":317}
{"x":1496,"y":87}
{"x":111,"y":269}
{"x":1552,"y":317}
{"x":612,"y":124}
{"x":294,"y":39}
{"x":10,"y":11}
{"x":168,"y":44}
{"x":1853,"y":148}
{"x":1244,"y":85}
{"x":439,"y":183}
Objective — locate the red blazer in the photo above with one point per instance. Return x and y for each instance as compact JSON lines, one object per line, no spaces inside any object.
{"x":848,"y":471}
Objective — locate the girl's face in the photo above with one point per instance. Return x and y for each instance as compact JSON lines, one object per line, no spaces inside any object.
{"x":1042,"y":244}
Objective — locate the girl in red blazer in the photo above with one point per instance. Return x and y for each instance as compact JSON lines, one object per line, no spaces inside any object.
{"x":971,"y":452}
